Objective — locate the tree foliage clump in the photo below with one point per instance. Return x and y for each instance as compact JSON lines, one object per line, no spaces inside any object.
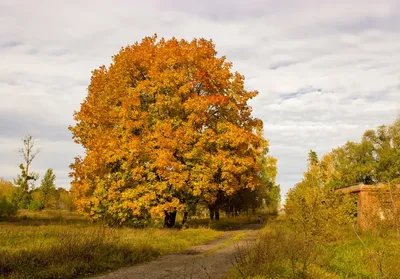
{"x":48,"y":190}
{"x":165,"y":126}
{"x":8,"y":205}
{"x":314,"y":209}
{"x":375,"y":159}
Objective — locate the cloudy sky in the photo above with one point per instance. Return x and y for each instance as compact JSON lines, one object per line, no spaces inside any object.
{"x":325,"y":70}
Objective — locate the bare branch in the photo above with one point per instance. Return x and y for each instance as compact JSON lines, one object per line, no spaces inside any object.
{"x":27,"y":151}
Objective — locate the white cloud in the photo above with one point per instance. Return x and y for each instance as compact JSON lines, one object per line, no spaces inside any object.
{"x":325,"y":70}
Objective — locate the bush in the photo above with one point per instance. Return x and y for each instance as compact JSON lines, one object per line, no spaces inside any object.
{"x":35,"y":205}
{"x":65,"y":200}
{"x":7,"y":208}
{"x":279,"y":252}
{"x":319,"y":213}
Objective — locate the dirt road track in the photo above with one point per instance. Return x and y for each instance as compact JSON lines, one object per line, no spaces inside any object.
{"x":208,"y":261}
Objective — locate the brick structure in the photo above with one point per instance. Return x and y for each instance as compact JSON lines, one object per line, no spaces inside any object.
{"x":374,"y":203}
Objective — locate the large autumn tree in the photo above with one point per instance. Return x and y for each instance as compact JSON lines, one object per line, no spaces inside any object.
{"x":167,"y":124}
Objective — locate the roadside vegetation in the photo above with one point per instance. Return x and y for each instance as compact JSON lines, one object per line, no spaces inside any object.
{"x":53,"y":244}
{"x":281,"y":252}
{"x":318,"y":236}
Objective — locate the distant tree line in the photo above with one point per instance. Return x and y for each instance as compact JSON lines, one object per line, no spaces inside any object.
{"x":375,"y":159}
{"x":314,"y":208}
{"x":22,"y":193}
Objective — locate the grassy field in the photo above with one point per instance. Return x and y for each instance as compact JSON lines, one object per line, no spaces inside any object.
{"x":64,"y":245}
{"x":378,"y":257}
{"x":281,"y":253}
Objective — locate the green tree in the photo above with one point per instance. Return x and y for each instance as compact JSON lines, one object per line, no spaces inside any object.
{"x":373,"y":160}
{"x":36,"y":200}
{"x":314,"y":209}
{"x":65,"y":199}
{"x":387,"y":151}
{"x":353,"y":163}
{"x":269,"y":193}
{"x":25,"y":181}
{"x":312,"y":158}
{"x":387,"y":146}
{"x":8,"y":206}
{"x":48,"y":190}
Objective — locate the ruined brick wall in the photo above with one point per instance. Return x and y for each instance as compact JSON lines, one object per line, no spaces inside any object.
{"x":368,"y":210}
{"x":374,"y":204}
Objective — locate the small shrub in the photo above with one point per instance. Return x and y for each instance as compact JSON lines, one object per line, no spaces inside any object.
{"x":35,"y":205}
{"x":279,"y":253}
{"x":7,"y":208}
{"x":66,"y":200}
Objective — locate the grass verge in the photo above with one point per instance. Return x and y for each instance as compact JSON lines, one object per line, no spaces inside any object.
{"x":281,"y":253}
{"x":68,"y":251}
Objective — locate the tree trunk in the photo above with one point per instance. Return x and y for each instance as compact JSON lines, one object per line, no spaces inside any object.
{"x":216,"y":210}
{"x":185,"y":217}
{"x":169,"y":219}
{"x":211,"y":209}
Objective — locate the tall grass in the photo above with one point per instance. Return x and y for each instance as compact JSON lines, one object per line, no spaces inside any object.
{"x":227,"y":224}
{"x":282,"y":253}
{"x":278,"y":253}
{"x":81,"y":249}
{"x":48,"y":217}
{"x":377,"y":256}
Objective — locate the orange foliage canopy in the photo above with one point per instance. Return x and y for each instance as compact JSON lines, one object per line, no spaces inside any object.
{"x":165,"y":124}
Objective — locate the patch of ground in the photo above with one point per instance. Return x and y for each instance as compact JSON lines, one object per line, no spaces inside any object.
{"x":212,"y":260}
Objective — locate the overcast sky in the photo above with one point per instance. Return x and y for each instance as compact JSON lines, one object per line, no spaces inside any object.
{"x":325,"y":70}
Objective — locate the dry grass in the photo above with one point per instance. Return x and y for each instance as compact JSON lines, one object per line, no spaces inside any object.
{"x":48,"y":245}
{"x":282,"y":253}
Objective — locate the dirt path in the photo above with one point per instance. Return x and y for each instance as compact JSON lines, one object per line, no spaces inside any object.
{"x":212,"y":260}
